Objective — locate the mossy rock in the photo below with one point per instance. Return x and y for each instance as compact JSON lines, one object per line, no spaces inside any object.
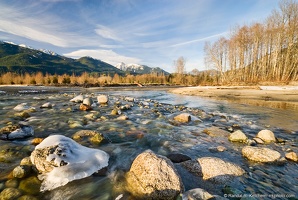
{"x":10,"y":194}
{"x":30,"y":185}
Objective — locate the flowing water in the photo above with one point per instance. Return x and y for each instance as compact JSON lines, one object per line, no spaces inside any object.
{"x":150,"y":126}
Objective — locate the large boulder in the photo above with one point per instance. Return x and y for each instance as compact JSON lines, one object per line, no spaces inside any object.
{"x":60,"y":160}
{"x":238,"y":136}
{"x":267,"y":136}
{"x":183,"y":118}
{"x":260,"y":154}
{"x":153,"y":176}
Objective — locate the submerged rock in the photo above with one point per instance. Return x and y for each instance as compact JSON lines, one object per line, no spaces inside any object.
{"x":216,"y":132}
{"x":260,"y":154}
{"x":93,"y":136}
{"x":178,"y":157}
{"x":153,"y":176}
{"x":30,"y":185}
{"x":22,"y":107}
{"x":85,"y":107}
{"x":60,"y":160}
{"x":267,"y":136}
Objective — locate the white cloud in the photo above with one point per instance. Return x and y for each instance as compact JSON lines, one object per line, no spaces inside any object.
{"x":107,"y":33}
{"x":108,"y":56}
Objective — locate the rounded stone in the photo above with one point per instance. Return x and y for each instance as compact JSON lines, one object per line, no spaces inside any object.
{"x":10,"y":194}
{"x":21,"y":171}
{"x":183,"y":117}
{"x":267,"y":136}
{"x":30,"y":185}
{"x":292,"y":156}
{"x":153,"y":176}
{"x":102,"y":99}
{"x":88,"y":101}
{"x":238,"y":136}
{"x":196,"y":193}
{"x":12,"y":183}
{"x":260,"y":154}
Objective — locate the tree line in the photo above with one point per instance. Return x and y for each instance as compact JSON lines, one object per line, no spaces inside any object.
{"x":259,"y":52}
{"x":91,"y":79}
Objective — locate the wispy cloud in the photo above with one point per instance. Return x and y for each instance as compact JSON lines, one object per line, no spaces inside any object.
{"x":199,"y":40}
{"x":108,"y":56}
{"x":107,"y":33}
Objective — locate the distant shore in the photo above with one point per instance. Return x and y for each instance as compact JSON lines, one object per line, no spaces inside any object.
{"x":284,"y":97}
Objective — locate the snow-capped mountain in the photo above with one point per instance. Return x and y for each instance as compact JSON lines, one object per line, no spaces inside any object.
{"x":139,"y":69}
{"x":48,"y":52}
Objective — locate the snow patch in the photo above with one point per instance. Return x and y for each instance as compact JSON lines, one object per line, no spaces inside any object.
{"x":81,"y":161}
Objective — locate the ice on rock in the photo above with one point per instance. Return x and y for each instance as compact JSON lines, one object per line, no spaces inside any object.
{"x":72,"y":161}
{"x":22,"y":107}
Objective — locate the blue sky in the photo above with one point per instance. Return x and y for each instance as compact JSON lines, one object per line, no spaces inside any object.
{"x":149,"y":32}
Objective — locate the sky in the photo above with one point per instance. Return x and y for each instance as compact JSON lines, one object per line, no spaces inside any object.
{"x":148,"y":32}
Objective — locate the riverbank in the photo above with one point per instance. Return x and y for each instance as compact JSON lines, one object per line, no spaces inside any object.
{"x":284,"y":97}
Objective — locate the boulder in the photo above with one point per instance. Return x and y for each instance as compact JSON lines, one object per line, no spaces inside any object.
{"x":153,"y":176}
{"x":102,"y":99}
{"x":267,"y":136}
{"x":238,"y":136}
{"x":60,"y":160}
{"x":292,"y":156}
{"x":183,"y":118}
{"x":77,"y":99}
{"x":260,"y":154}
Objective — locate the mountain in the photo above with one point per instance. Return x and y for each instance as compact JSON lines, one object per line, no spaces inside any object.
{"x":23,"y":59}
{"x":139,"y":69}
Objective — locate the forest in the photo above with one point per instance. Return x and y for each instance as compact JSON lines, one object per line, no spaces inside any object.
{"x":259,"y":52}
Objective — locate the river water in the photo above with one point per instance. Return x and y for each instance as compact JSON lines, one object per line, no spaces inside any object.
{"x":151,"y":118}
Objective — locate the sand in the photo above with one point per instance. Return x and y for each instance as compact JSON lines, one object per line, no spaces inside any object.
{"x":284,"y":97}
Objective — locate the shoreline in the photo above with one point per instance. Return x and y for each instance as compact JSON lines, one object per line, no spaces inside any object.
{"x":283,"y":97}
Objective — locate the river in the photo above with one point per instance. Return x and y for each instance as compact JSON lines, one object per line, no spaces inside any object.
{"x":150,"y":116}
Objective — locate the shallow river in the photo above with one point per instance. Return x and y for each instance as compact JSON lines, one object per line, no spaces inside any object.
{"x":151,"y":118}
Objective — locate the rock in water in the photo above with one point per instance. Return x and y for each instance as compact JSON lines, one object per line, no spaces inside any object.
{"x":88,"y":101}
{"x":260,"y":154}
{"x":238,"y":136}
{"x":102,"y":99}
{"x":22,"y":107}
{"x":195,"y":194}
{"x":153,"y":176}
{"x":19,"y":131}
{"x":183,"y":117}
{"x":60,"y":160}
{"x":78,"y":99}
{"x":292,"y":156}
{"x":46,"y":105}
{"x":218,"y":169}
{"x":267,"y":136}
